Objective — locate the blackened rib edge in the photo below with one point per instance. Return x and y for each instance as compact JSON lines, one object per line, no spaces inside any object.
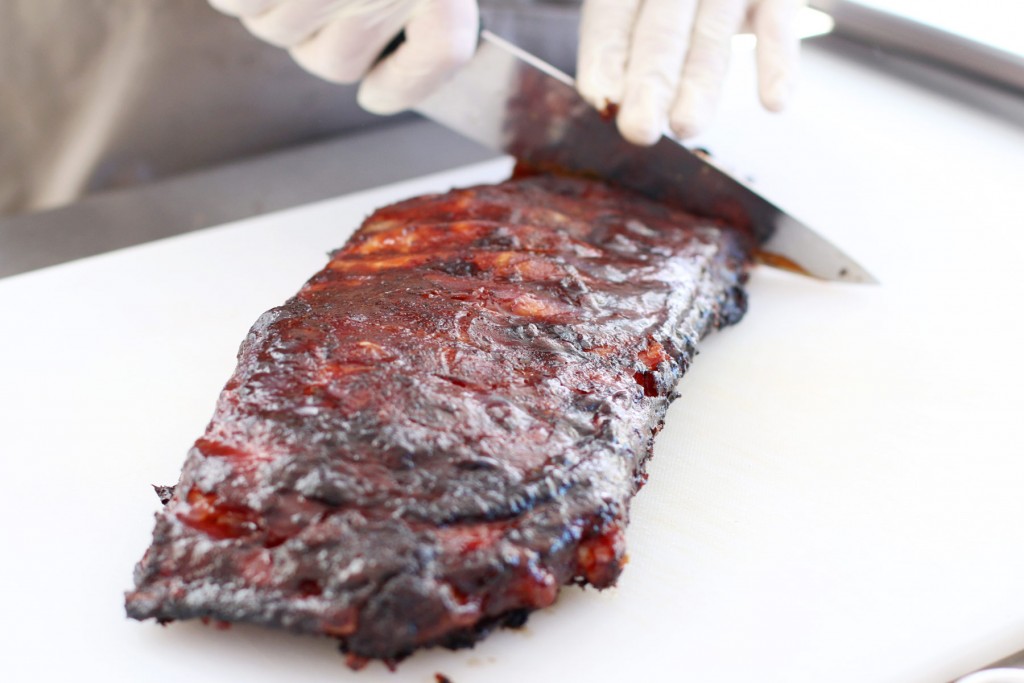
{"x":448,"y":422}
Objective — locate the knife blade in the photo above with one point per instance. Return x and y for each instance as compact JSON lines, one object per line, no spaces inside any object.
{"x":513,"y":102}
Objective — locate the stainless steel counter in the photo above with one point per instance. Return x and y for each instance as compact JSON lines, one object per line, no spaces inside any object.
{"x":113,"y":220}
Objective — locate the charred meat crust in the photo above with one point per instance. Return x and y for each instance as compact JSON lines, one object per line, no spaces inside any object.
{"x":448,"y":422}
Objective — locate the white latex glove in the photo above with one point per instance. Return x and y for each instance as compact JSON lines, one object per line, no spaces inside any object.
{"x":663,"y":61}
{"x":339,"y":40}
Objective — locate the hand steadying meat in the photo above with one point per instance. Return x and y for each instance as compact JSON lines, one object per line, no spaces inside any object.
{"x":663,"y":61}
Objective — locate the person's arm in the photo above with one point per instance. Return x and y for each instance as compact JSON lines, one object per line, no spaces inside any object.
{"x":663,"y":61}
{"x":341,"y":40}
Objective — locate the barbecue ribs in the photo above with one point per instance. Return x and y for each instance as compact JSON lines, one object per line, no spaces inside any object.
{"x":448,"y":422}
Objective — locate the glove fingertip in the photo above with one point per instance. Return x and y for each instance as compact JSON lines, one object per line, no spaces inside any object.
{"x":596,"y":98}
{"x":684,"y":129}
{"x":380,"y":101}
{"x":689,"y":114}
{"x":598,"y":89}
{"x":776,"y":94}
{"x":241,"y":8}
{"x":639,"y":127}
{"x":310,"y":56}
{"x":405,"y":78}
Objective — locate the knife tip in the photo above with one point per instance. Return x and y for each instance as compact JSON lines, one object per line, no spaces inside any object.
{"x":855,"y":275}
{"x":849,"y":272}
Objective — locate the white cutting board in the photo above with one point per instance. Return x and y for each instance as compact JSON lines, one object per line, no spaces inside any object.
{"x":837,"y":495}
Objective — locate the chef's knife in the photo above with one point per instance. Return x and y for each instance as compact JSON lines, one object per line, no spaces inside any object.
{"x":509,"y":100}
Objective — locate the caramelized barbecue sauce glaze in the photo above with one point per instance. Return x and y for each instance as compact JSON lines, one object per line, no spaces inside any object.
{"x":446,"y":423}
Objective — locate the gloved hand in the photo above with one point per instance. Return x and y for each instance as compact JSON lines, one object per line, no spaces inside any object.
{"x":663,"y":61}
{"x":339,"y":40}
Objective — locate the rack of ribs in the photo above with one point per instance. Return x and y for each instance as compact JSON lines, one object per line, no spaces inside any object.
{"x":448,"y":422}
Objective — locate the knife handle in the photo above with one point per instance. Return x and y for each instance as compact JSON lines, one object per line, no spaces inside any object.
{"x":390,"y":48}
{"x":395,"y":42}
